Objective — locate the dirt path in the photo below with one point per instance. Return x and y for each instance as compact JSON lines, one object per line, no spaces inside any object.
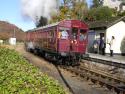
{"x":70,"y":82}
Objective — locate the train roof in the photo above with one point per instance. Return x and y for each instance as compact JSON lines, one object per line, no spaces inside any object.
{"x":43,"y":27}
{"x":50,"y":25}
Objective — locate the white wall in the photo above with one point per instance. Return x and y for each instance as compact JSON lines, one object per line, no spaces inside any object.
{"x":118,"y":31}
{"x":12,"y":41}
{"x":123,"y":7}
{"x":1,"y":41}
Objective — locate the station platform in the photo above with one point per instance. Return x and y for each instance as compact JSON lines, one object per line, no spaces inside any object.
{"x":107,"y":57}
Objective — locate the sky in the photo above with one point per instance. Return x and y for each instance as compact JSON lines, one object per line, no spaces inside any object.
{"x":10,"y":10}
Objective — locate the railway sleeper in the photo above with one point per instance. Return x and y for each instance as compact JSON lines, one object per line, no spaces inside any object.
{"x":113,"y":86}
{"x":120,"y":89}
{"x":106,"y":75}
{"x":110,"y":86}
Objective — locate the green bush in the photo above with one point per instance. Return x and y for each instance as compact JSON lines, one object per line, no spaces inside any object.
{"x":17,"y":76}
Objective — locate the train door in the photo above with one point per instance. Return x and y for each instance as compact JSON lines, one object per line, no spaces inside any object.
{"x":63,"y":39}
{"x":74,"y":40}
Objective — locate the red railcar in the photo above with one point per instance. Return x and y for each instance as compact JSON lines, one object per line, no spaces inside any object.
{"x":65,"y":40}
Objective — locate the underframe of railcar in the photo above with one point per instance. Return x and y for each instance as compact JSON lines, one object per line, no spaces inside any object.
{"x":63,"y":58}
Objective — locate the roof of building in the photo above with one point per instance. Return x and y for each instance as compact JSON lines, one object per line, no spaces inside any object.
{"x":104,"y":24}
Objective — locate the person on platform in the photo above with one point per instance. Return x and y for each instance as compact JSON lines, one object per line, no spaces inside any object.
{"x":102,"y":46}
{"x":112,"y":45}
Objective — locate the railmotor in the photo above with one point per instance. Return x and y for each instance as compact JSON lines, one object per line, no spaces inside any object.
{"x":64,"y":41}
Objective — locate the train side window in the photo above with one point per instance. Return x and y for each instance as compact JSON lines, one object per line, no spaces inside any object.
{"x":50,"y":34}
{"x":64,"y":34}
{"x":82,"y":35}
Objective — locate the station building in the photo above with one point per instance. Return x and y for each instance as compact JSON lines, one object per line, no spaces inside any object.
{"x":107,"y":29}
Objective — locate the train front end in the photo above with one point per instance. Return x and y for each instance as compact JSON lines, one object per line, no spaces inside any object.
{"x":72,"y":39}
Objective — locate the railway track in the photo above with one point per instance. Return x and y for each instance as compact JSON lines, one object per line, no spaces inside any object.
{"x":106,"y":62}
{"x":112,"y":82}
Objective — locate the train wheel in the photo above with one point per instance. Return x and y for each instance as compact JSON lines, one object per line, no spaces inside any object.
{"x":42,"y":53}
{"x":46,"y":55}
{"x":68,"y":63}
{"x":63,"y":61}
{"x":59,"y":60}
{"x":54,"y":58}
{"x":35,"y":51}
{"x":75,"y":61}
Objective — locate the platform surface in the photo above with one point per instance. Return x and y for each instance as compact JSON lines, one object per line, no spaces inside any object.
{"x":107,"y":57}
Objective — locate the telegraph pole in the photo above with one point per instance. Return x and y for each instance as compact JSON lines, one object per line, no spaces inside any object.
{"x":14,"y":33}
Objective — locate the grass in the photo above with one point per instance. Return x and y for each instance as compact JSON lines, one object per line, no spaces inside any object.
{"x":18,"y":76}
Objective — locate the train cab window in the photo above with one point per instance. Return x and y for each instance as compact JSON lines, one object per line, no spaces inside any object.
{"x":63,"y":33}
{"x":82,"y":35}
{"x":74,"y":33}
